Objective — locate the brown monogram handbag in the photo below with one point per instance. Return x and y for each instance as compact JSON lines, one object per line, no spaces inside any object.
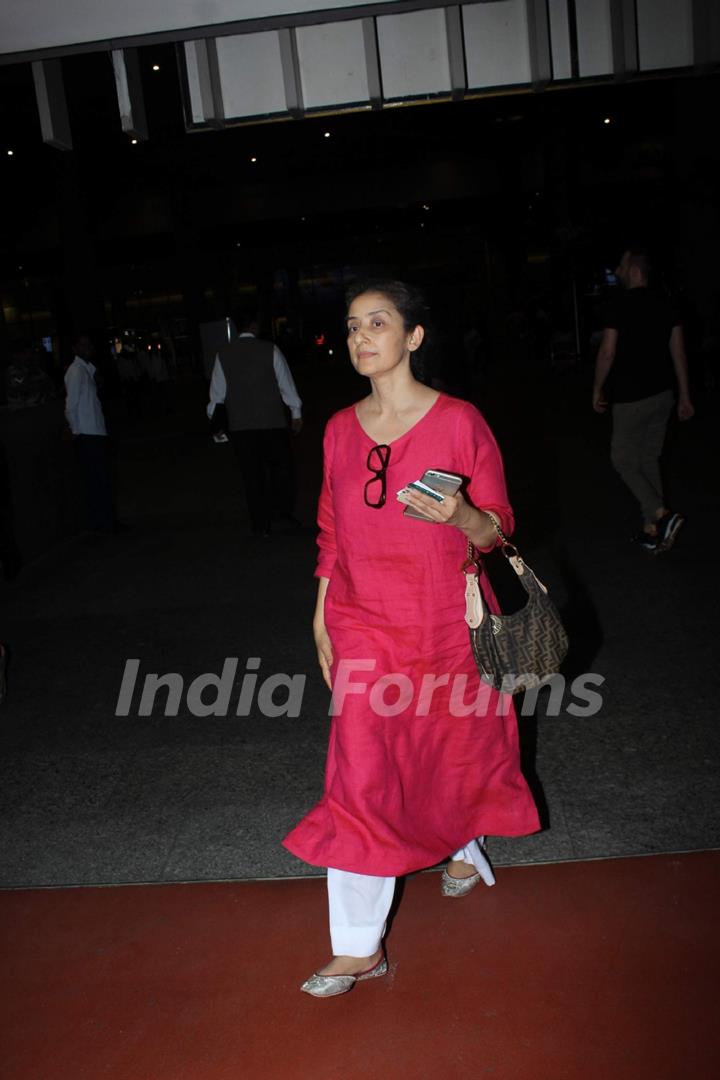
{"x":514,"y":652}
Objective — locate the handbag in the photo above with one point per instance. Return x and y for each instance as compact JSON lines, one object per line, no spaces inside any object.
{"x":514,"y":652}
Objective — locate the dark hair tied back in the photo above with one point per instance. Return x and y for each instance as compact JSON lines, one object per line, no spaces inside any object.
{"x":410,"y":302}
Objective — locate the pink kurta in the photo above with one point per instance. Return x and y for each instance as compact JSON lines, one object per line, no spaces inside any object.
{"x":403,"y":791}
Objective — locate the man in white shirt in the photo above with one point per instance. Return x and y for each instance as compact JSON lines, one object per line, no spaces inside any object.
{"x":86,"y":421}
{"x":251,"y":378}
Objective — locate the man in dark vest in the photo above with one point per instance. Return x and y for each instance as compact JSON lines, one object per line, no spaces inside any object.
{"x":252,"y":379}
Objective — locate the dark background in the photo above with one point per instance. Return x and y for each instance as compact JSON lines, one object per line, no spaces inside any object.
{"x":508,"y":209}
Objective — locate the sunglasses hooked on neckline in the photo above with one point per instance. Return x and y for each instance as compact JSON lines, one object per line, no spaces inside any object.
{"x":377,"y":462}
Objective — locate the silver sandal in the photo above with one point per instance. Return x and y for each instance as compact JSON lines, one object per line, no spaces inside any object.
{"x":323,"y":986}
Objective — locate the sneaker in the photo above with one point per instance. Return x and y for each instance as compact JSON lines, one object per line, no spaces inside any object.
{"x":647,"y":541}
{"x":667,"y":529}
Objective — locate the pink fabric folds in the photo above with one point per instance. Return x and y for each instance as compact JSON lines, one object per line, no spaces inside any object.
{"x":423,"y":756}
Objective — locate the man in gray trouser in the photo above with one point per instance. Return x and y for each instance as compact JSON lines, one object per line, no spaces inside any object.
{"x":641,"y":358}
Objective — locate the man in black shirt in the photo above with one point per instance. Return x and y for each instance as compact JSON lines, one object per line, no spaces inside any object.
{"x":641,"y":358}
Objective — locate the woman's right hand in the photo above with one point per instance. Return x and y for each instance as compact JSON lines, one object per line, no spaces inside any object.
{"x":325,"y":653}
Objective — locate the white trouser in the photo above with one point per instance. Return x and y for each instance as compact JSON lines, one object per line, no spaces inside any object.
{"x":359,"y":903}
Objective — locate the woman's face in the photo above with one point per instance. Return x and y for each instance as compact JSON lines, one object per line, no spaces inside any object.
{"x":377,"y":338}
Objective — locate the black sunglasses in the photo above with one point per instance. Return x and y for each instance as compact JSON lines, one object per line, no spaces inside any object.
{"x":377,"y":462}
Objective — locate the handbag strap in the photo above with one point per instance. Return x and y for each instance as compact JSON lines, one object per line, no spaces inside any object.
{"x":508,"y":549}
{"x":496,"y":525}
{"x":474,"y":604}
{"x":471,"y":559}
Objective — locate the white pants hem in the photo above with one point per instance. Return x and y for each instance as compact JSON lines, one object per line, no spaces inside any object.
{"x":359,"y":906}
{"x":473,"y":855}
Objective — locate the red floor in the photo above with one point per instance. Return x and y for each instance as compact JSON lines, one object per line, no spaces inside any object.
{"x":604,"y":970}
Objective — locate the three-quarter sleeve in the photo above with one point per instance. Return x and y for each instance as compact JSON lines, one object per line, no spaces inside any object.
{"x":327,"y":546}
{"x":487,"y":489}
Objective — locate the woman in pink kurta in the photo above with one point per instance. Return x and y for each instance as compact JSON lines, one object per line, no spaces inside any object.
{"x":423,"y":755}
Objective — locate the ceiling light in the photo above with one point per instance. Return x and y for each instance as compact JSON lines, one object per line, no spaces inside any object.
{"x":156,"y":67}
{"x":606,"y":120}
{"x":327,"y":134}
{"x":133,"y":142}
{"x":253,"y":160}
{"x":11,"y":153}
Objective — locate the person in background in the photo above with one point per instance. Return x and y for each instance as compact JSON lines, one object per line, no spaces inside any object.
{"x":251,"y":378}
{"x":85,"y":418}
{"x":127,"y":368}
{"x":158,"y":377}
{"x":640,"y":361}
{"x":27,"y":382}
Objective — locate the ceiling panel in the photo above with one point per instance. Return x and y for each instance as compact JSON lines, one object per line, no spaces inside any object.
{"x":594,"y":37}
{"x":332,"y":64}
{"x":251,"y":75}
{"x":665,"y":33}
{"x":496,"y":43}
{"x":414,"y":54}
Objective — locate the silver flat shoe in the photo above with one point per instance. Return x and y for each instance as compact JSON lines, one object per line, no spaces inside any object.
{"x":452,"y":886}
{"x":323,"y":986}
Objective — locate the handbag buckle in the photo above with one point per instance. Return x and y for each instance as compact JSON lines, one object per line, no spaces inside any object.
{"x":514,"y":557}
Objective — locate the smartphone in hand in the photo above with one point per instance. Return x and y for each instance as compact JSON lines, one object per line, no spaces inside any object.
{"x":435,"y":483}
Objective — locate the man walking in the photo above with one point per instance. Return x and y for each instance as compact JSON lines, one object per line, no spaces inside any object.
{"x":252,"y":379}
{"x":641,"y":358}
{"x":86,"y":420}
